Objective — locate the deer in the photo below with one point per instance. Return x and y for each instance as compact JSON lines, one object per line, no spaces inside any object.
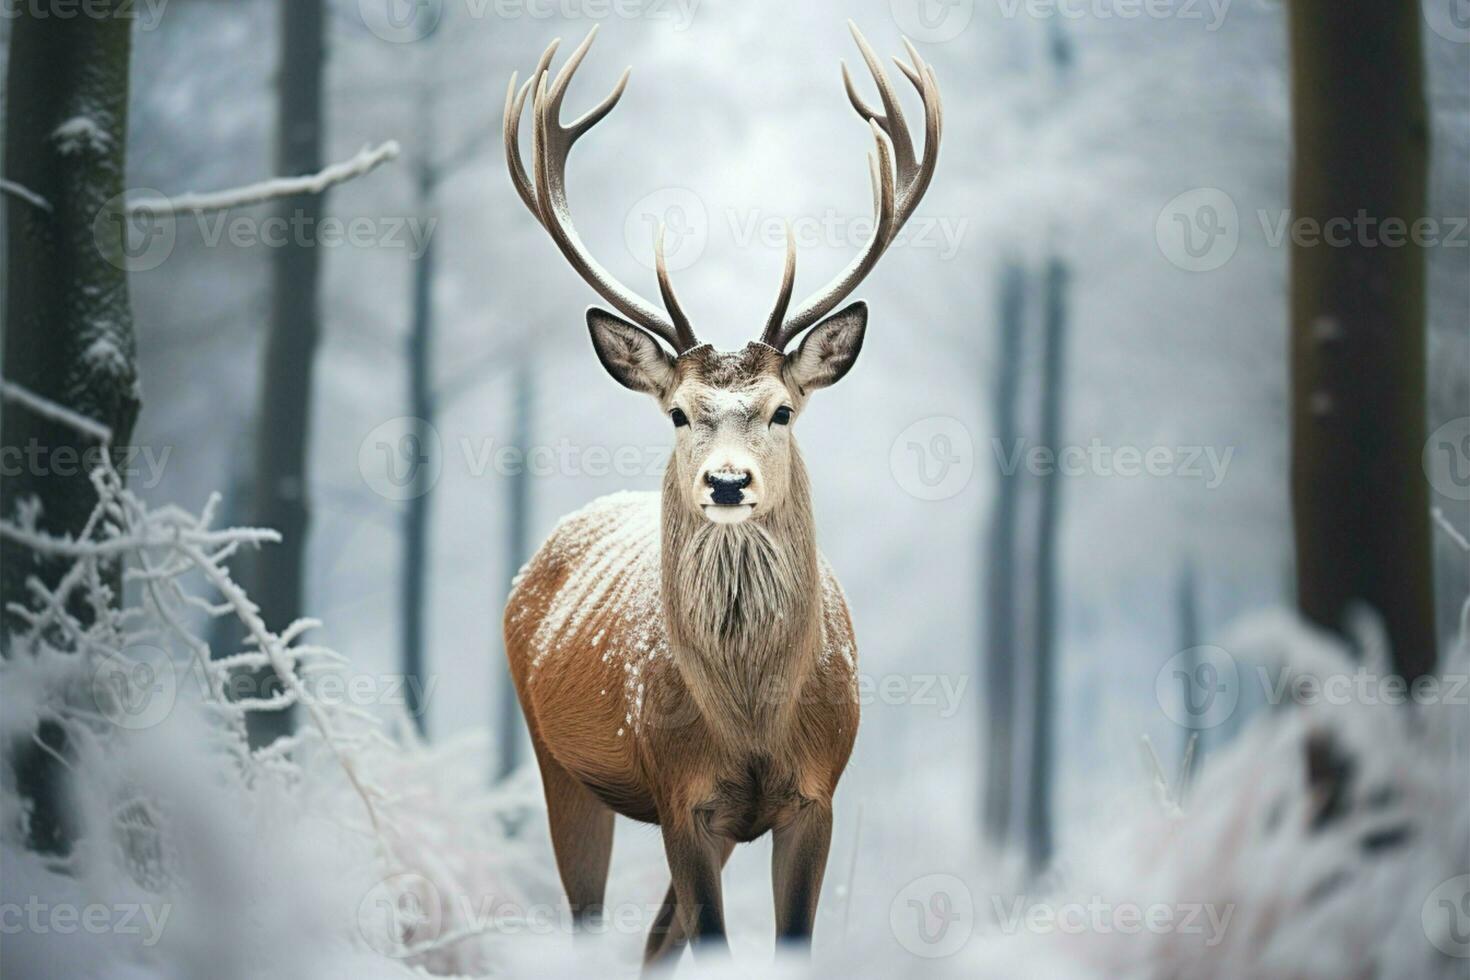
{"x":686,"y":658}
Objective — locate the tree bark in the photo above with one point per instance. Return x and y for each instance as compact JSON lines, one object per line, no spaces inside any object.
{"x":416,"y":517}
{"x":1000,"y":591}
{"x":68,"y":333}
{"x":68,"y":319}
{"x":1359,"y":503}
{"x":517,"y":544}
{"x":282,"y":432}
{"x":1039,"y":815}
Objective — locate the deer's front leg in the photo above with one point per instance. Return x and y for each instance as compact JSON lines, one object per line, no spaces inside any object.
{"x":696,"y":855}
{"x":798,"y":861}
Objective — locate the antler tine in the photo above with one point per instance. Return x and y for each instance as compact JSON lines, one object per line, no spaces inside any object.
{"x":682,"y":328}
{"x":894,"y":201}
{"x":543,"y":191}
{"x":772,"y":334}
{"x":891,"y":118}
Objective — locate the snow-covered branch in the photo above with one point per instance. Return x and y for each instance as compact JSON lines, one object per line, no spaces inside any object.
{"x":366,"y":161}
{"x":25,"y":194}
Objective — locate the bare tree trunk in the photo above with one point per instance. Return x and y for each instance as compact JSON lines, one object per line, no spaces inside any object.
{"x":69,"y":323}
{"x":1000,"y":580}
{"x":1357,"y":321}
{"x":1186,"y":605}
{"x":68,"y":319}
{"x":286,"y":395}
{"x":416,"y":518}
{"x":517,"y":544}
{"x":1039,"y":815}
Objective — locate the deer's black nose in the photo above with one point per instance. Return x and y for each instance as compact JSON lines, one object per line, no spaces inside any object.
{"x":727,"y":486}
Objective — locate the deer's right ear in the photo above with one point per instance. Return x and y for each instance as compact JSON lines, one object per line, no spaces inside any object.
{"x":630,"y":354}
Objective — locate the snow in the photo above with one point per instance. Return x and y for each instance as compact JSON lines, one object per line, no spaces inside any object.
{"x":79,"y":134}
{"x":1312,"y":847}
{"x":365,"y":161}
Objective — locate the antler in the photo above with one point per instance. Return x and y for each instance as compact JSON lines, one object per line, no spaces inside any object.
{"x":893,"y":203}
{"x":545,"y":192}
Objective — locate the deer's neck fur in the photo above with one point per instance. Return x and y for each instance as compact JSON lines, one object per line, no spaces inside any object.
{"x":743,"y":609}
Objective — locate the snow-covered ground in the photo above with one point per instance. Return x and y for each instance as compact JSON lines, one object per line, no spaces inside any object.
{"x":1330,"y":839}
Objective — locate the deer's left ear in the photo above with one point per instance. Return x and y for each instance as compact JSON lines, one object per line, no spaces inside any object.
{"x":829,"y":350}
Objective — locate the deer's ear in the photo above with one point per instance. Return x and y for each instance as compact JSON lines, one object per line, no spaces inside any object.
{"x":630,"y":354}
{"x":829,"y":350}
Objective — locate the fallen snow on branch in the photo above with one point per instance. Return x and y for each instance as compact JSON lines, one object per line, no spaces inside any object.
{"x":367,"y":160}
{"x":25,"y":194}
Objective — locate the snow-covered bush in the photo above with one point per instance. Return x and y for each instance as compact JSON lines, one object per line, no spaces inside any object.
{"x":1328,"y":840}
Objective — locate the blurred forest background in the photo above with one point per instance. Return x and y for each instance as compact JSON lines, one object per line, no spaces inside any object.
{"x":1043,"y":297}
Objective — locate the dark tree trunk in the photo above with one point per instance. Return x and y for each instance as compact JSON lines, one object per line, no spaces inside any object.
{"x":416,"y":517}
{"x":281,"y":472}
{"x":1039,"y":817}
{"x":1186,"y":615}
{"x":68,"y":321}
{"x":1359,"y":502}
{"x":68,"y":333}
{"x":1000,"y":590}
{"x":517,"y":543}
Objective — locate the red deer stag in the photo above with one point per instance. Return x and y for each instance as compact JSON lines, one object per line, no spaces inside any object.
{"x":687,"y":658}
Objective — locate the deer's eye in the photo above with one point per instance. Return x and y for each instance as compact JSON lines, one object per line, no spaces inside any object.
{"x":680,"y":419}
{"x":782,"y":416}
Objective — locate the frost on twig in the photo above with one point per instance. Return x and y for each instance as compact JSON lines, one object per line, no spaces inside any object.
{"x":345,"y":767}
{"x":366,"y":160}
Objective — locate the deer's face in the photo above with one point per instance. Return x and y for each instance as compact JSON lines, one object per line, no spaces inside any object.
{"x":732,"y":412}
